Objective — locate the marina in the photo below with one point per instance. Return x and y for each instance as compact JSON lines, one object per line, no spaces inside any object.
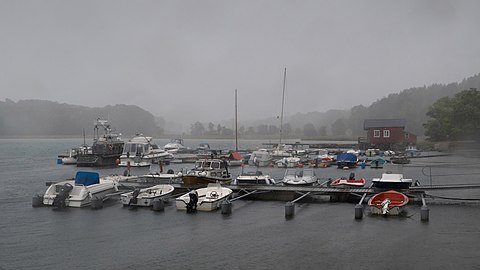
{"x":265,"y":215}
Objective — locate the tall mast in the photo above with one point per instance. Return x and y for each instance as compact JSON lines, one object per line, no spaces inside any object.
{"x":236,"y":124}
{"x":283,"y":103}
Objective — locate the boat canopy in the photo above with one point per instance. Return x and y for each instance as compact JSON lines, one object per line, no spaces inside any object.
{"x":235,"y":156}
{"x":87,"y":178}
{"x":347,"y":157}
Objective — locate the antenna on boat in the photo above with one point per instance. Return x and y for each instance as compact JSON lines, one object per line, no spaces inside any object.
{"x":236,"y":124}
{"x":283,"y":103}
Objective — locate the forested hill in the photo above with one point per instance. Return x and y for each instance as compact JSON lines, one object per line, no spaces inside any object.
{"x":411,"y":104}
{"x":47,"y":118}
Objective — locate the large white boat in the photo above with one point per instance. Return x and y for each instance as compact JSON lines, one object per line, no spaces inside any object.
{"x":140,"y":151}
{"x":299,"y":177}
{"x":260,"y":158}
{"x":78,"y":192}
{"x":208,"y":171}
{"x":203,"y":199}
{"x":146,"y":196}
{"x":392,"y":178}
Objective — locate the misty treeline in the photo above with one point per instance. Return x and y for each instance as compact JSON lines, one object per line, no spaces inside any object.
{"x":47,"y":118}
{"x":411,"y":104}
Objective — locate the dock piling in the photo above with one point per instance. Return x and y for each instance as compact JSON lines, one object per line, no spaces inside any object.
{"x":289,"y":209}
{"x":358,"y":211}
{"x":226,"y":208}
{"x":158,"y":205}
{"x":37,"y":201}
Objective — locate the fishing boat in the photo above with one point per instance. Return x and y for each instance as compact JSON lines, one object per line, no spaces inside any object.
{"x":299,"y":177}
{"x":351,"y":182}
{"x":106,"y":148}
{"x":140,"y":151}
{"x":392,"y":178}
{"x":388,"y":203}
{"x":203,"y":199}
{"x":78,"y":192}
{"x":146,"y":196}
{"x":253,"y":177}
{"x":208,"y":171}
{"x":175,"y":145}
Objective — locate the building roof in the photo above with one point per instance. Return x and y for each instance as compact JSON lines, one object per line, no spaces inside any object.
{"x":381,"y":123}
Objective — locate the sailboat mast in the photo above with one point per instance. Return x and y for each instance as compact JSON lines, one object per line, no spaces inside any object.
{"x":236,"y":124}
{"x":283,"y":103}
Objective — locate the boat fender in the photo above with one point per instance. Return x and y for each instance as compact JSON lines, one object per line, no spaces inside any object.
{"x":59,"y":200}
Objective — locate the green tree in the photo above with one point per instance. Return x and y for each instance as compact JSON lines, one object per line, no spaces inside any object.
{"x":454,"y":118}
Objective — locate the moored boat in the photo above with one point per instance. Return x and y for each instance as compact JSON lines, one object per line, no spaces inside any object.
{"x":203,"y":199}
{"x":146,"y":196}
{"x":347,"y":160}
{"x":299,"y":177}
{"x":253,"y":177}
{"x":208,"y":171}
{"x":140,"y":151}
{"x":260,"y":158}
{"x":78,"y":192}
{"x":392,"y":178}
{"x":351,"y":182}
{"x":388,"y":203}
{"x":106,"y":149}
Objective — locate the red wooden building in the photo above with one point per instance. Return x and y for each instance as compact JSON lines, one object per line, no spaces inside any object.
{"x":388,"y":133}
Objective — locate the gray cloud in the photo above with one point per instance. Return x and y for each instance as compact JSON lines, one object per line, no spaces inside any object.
{"x":183,"y":59}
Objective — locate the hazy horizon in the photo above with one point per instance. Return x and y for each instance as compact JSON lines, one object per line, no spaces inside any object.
{"x":184,"y":60}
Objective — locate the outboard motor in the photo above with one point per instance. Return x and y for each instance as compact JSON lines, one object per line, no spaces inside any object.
{"x":352,"y":176}
{"x":59,"y":200}
{"x":192,"y":204}
{"x":170,"y":171}
{"x":135,"y":194}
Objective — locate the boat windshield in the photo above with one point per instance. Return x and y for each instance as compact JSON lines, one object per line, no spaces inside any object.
{"x":308,"y":173}
{"x":135,"y":148}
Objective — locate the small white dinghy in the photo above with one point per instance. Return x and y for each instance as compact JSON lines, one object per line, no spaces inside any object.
{"x":203,"y":199}
{"x":146,"y":196}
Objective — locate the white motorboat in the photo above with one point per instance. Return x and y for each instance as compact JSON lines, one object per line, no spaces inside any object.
{"x":78,"y":192}
{"x":175,"y":145}
{"x":288,"y":162}
{"x":253,"y":178}
{"x":203,"y":199}
{"x":156,"y":175}
{"x":299,"y":177}
{"x":68,"y":158}
{"x":260,"y":158}
{"x":392,"y":178}
{"x":146,"y":196}
{"x":140,"y":151}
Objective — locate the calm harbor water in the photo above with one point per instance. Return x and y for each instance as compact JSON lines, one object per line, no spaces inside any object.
{"x":256,"y":235}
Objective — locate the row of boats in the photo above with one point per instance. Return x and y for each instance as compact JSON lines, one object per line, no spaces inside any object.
{"x":108,"y":149}
{"x":87,"y":186}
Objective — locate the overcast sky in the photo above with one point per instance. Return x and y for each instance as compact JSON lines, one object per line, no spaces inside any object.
{"x":186,"y":58}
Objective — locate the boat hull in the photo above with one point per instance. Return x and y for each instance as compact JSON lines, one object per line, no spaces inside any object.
{"x":191,"y":180}
{"x":80,"y":196}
